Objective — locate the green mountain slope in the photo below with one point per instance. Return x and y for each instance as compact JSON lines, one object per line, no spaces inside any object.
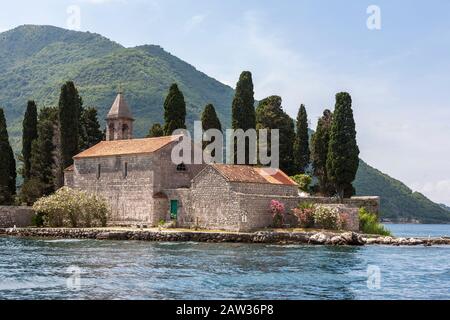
{"x":398,"y":202}
{"x":36,"y":60}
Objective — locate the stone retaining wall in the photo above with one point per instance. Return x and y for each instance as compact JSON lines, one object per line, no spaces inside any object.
{"x":269,"y":237}
{"x":372,"y":204}
{"x":15,"y":216}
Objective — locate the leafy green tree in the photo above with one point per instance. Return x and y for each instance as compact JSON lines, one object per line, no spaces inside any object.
{"x":319,"y":153}
{"x":70,"y":106}
{"x":270,"y":115}
{"x":7,"y":165}
{"x":174,"y":111}
{"x":29,"y":134}
{"x":243,"y":107}
{"x":90,"y":133}
{"x":343,"y":154}
{"x":301,"y":143}
{"x":156,"y":131}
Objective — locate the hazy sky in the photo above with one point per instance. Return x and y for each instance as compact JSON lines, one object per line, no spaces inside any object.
{"x":306,"y":52}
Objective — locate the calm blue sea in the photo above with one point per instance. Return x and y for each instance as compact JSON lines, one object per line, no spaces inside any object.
{"x":87,"y":269}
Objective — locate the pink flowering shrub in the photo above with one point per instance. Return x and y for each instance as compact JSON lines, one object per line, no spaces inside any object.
{"x":344,"y":220}
{"x":278,"y":209}
{"x":305,"y":215}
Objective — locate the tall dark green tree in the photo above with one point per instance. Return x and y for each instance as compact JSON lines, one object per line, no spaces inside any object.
{"x":29,"y":134}
{"x":270,"y":115}
{"x":343,"y":153}
{"x":43,"y":159}
{"x":210,"y":120}
{"x":90,"y":132}
{"x":70,"y":106}
{"x":7,"y":165}
{"x":319,"y":152}
{"x":243,"y":107}
{"x":156,"y":131}
{"x":174,"y":111}
{"x":301,"y":142}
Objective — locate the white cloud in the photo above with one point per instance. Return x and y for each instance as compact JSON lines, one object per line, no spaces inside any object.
{"x":194,"y":21}
{"x":438,"y":190}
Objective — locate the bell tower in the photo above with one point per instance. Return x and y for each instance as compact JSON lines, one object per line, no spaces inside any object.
{"x":119,"y":122}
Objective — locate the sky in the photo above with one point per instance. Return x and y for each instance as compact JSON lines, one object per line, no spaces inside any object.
{"x":394,"y":59}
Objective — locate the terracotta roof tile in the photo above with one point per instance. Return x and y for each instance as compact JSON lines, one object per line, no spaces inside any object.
{"x":248,"y":174}
{"x":70,"y":168}
{"x":127,"y":147}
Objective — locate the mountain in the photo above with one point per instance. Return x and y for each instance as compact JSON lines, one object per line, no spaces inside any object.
{"x":398,"y":202}
{"x":36,"y":60}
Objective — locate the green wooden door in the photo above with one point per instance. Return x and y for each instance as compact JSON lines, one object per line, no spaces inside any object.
{"x":173,"y":209}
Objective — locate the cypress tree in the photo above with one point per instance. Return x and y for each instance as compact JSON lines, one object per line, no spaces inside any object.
{"x":343,"y":154}
{"x":70,"y":106}
{"x":319,"y":152}
{"x":301,"y":143}
{"x":210,"y":120}
{"x":156,"y":131}
{"x":270,"y":115}
{"x":43,"y":152}
{"x":7,"y":165}
{"x":243,"y":107}
{"x":90,"y":133}
{"x":29,"y":134}
{"x":174,"y":111}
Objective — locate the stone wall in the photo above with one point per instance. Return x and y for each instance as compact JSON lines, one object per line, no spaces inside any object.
{"x":256,"y":208}
{"x":15,"y":216}
{"x":372,"y":204}
{"x":213,"y":204}
{"x":129,"y":195}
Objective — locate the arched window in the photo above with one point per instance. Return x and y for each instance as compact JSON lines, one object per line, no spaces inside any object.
{"x":181,"y":167}
{"x":111,"y":132}
{"x":125,"y":130}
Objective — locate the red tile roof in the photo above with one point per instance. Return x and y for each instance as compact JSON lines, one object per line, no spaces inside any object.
{"x":127,"y":147}
{"x":248,"y":174}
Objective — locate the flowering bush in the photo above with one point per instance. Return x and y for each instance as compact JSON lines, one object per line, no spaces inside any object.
{"x":278,"y":209}
{"x":327,"y":218}
{"x":72,"y":208}
{"x":344,"y":220}
{"x":305,"y":214}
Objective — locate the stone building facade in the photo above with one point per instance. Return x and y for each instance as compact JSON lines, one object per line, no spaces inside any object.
{"x":142,"y":185}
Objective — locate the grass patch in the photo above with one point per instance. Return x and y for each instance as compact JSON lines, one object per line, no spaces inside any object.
{"x":368,"y":223}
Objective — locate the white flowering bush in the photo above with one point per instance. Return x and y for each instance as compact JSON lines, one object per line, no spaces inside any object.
{"x":327,"y":218}
{"x":72,"y":208}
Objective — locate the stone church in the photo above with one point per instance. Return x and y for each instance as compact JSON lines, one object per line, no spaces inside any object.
{"x":142,"y":185}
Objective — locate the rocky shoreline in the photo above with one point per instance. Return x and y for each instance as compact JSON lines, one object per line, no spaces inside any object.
{"x":269,"y":237}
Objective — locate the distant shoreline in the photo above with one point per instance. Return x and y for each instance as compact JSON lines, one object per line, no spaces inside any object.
{"x":268,"y":237}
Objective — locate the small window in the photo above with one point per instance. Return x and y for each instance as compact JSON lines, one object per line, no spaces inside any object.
{"x":181,"y":168}
{"x":99,"y":170}
{"x":125,"y":170}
